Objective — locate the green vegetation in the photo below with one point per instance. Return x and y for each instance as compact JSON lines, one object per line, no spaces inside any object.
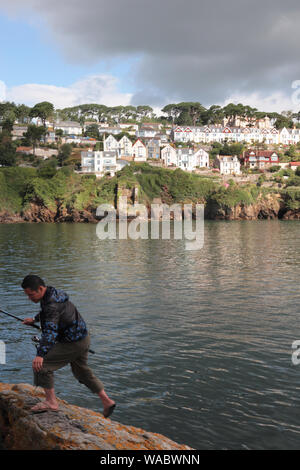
{"x":291,"y":198}
{"x":52,"y":188}
{"x":235,"y":195}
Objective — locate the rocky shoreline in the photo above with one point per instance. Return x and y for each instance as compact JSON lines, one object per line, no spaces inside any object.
{"x":269,"y":208}
{"x":71,"y":428}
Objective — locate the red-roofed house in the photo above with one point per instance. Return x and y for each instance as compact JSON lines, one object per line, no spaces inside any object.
{"x":24,"y":150}
{"x":294,"y":165}
{"x":260,"y":159}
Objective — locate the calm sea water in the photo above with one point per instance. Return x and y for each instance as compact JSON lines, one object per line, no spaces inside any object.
{"x":195,"y":345}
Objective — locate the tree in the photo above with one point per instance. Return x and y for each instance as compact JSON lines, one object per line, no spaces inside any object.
{"x":7,"y":126}
{"x":214,"y":115}
{"x":144,"y":111}
{"x":8,"y":112}
{"x":297,"y":116}
{"x":34,"y":135}
{"x":7,"y":153}
{"x":93,"y":131}
{"x":48,"y":169}
{"x":283,"y":121}
{"x":129,"y":112}
{"x":186,"y":113}
{"x":172,"y":111}
{"x":43,"y":110}
{"x":194,"y":110}
{"x":23,"y":113}
{"x":64,"y":153}
{"x":232,"y":149}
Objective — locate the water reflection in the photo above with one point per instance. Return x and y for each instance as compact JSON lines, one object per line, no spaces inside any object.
{"x":192,"y":344}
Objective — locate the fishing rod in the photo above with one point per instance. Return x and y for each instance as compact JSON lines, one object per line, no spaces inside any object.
{"x":19,"y":319}
{"x":35,"y":339}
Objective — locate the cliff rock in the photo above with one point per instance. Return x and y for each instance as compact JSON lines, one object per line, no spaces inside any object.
{"x":267,"y":208}
{"x":71,"y":428}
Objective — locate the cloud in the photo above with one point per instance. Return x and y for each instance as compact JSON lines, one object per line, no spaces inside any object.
{"x":204,"y":50}
{"x":276,"y":102}
{"x":101,"y":89}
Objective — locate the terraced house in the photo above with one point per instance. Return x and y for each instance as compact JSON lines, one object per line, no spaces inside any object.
{"x":209,"y":134}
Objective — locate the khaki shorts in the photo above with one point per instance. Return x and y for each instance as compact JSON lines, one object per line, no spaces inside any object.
{"x":62,"y":354}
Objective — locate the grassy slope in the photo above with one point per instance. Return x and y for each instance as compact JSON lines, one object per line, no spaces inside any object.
{"x":20,"y":186}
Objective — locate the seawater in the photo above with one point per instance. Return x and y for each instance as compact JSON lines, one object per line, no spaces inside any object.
{"x":195,"y":345}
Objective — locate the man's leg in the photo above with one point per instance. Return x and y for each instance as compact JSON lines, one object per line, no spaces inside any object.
{"x":108,"y":404}
{"x":59,"y":356}
{"x":84,"y":375}
{"x":51,"y":397}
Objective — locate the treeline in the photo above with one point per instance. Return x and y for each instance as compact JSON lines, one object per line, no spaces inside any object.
{"x":184,"y":113}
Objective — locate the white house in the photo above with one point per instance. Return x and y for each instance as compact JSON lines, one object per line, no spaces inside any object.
{"x":289,"y":136}
{"x":186,"y":159}
{"x":168,"y":155}
{"x":110,"y":143}
{"x":139,"y":151}
{"x":69,"y":127}
{"x":228,"y":165}
{"x":202,"y":158}
{"x":217,"y":133}
{"x":294,"y":165}
{"x":99,"y":163}
{"x":88,"y":162}
{"x":146,"y":132}
{"x":18,"y":132}
{"x":125,"y":147}
{"x":109,"y":130}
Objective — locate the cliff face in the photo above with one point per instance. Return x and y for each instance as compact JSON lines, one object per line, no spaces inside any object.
{"x":39,"y":213}
{"x":270,"y":207}
{"x":71,"y":428}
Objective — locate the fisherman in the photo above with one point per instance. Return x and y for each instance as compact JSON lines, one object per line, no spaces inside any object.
{"x":65,"y":340}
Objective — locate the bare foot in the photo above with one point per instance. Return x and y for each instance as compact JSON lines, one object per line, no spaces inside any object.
{"x":44,"y":406}
{"x":108,"y":410}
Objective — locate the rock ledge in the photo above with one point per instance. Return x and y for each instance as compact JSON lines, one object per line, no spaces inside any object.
{"x":71,"y":428}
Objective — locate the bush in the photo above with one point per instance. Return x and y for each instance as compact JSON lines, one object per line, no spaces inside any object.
{"x":47,"y":170}
{"x":291,"y":198}
{"x":274,"y":168}
{"x":293,"y":181}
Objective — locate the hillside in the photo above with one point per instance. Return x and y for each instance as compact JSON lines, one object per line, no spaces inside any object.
{"x":29,"y":195}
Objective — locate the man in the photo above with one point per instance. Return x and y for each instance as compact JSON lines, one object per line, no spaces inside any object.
{"x":65,"y":340}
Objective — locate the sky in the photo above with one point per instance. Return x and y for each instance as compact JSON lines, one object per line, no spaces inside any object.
{"x":122,"y":52}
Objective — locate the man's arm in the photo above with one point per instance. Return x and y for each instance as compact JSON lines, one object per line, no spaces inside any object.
{"x":49,"y":331}
{"x":31,"y":321}
{"x":37,"y":317}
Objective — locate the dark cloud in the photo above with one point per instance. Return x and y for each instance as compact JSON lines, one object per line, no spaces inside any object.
{"x":189,"y":50}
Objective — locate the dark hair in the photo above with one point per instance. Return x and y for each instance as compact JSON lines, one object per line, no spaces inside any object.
{"x":32,"y":282}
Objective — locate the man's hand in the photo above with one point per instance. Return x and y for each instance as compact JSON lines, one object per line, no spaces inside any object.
{"x":37,"y":363}
{"x":28,"y":321}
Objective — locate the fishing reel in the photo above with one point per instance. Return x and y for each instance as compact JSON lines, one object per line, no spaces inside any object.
{"x":35,"y":340}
